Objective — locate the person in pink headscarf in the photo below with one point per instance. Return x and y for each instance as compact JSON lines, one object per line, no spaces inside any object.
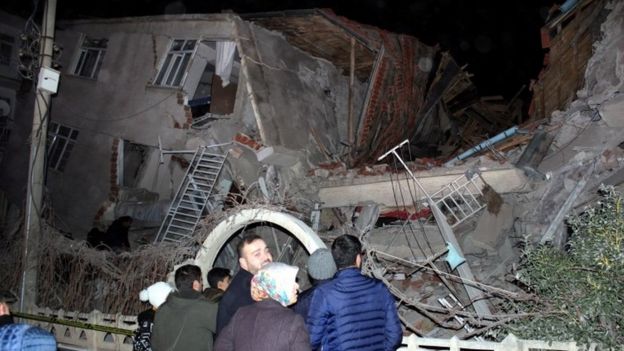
{"x":268,"y":325}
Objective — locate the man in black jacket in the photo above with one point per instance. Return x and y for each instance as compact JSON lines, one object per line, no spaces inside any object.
{"x":253,"y":254}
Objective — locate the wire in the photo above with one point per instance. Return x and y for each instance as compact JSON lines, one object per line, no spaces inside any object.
{"x":406,"y":211}
{"x":130,"y":116}
{"x":28,"y":58}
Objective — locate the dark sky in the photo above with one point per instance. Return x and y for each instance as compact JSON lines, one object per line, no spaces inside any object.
{"x":499,"y":40}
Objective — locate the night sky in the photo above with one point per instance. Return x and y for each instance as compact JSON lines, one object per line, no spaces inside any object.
{"x":498,"y":40}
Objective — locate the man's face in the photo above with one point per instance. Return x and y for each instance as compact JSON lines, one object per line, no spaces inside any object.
{"x":254,"y":256}
{"x":224,"y":284}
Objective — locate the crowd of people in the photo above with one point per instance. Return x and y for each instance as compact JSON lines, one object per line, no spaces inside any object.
{"x":260,"y":307}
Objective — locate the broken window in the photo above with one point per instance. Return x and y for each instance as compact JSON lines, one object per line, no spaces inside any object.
{"x":89,"y":58}
{"x":6,"y":49}
{"x":61,"y":140}
{"x":173,"y":69}
{"x":215,"y":80}
{"x":131,"y":161}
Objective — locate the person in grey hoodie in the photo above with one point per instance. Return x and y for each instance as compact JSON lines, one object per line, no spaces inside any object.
{"x":186,"y":321}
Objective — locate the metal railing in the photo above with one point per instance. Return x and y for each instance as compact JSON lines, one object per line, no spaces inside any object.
{"x":510,"y":343}
{"x":84,"y":331}
{"x":461,"y":198}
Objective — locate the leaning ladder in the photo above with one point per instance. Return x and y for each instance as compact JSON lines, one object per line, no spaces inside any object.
{"x":192,"y":196}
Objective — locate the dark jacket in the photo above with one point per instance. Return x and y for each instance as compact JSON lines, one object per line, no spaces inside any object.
{"x":213,"y":294}
{"x":185,"y":322}
{"x":237,"y":295}
{"x":353,"y":312}
{"x":116,"y":236}
{"x":6,"y":319}
{"x":264,"y":326}
{"x":303,"y":300}
{"x":143,"y":333}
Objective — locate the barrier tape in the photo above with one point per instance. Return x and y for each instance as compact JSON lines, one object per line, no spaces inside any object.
{"x":77,"y":324}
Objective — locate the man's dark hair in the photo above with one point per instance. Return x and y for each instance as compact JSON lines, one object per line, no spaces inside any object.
{"x":246,"y":240}
{"x":345,"y":249}
{"x":186,"y":275}
{"x":216,"y":275}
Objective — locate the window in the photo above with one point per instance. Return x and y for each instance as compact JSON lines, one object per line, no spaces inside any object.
{"x":90,"y":57}
{"x":6,"y":49}
{"x":173,"y":69}
{"x":61,"y":140}
{"x":5,"y":131}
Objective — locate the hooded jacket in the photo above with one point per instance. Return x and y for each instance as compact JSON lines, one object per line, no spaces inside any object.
{"x":353,"y":312}
{"x":303,"y":300}
{"x":185,"y":322}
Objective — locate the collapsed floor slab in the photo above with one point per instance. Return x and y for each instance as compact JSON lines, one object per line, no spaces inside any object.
{"x":345,"y":191}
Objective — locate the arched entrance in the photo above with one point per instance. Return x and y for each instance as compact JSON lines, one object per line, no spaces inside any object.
{"x":290,"y":240}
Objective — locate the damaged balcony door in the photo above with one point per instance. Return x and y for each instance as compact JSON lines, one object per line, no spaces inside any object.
{"x":212,"y":82}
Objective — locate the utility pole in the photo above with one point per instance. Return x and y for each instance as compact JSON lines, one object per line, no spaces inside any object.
{"x":34,"y":200}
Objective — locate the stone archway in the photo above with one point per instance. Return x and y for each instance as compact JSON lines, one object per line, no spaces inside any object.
{"x":224,"y":231}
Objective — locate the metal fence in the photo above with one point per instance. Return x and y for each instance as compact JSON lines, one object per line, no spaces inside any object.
{"x":510,"y":343}
{"x":84,"y":331}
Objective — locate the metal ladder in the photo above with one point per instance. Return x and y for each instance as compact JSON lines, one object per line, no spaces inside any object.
{"x":187,"y":207}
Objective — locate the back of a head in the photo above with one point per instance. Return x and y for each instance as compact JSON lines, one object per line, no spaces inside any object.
{"x":19,"y":336}
{"x":345,"y":249}
{"x":216,"y":275}
{"x":246,"y":240}
{"x":186,"y":275}
{"x":321,"y":265}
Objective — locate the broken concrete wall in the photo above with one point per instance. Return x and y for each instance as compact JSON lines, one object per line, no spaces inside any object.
{"x":301,"y":101}
{"x":585,"y":151}
{"x":120,"y":104}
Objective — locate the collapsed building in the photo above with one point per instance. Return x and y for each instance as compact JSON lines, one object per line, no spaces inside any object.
{"x":202,"y":127}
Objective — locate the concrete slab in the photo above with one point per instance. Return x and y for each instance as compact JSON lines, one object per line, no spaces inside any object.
{"x":342,"y":191}
{"x":490,"y":228}
{"x":611,"y":112}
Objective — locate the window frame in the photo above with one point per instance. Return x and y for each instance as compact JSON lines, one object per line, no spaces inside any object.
{"x":82,"y":57}
{"x":57,"y":160}
{"x":7,"y":41}
{"x":175,"y":64}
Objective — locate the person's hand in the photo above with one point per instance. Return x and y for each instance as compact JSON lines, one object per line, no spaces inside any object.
{"x":4,"y":309}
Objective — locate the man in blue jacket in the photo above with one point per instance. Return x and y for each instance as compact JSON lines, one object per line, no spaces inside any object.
{"x":353,"y":311}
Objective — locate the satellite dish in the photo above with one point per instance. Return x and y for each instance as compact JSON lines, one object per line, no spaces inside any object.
{"x":5,"y":108}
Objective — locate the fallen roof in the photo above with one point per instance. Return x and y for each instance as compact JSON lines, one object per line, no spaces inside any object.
{"x":322,"y":34}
